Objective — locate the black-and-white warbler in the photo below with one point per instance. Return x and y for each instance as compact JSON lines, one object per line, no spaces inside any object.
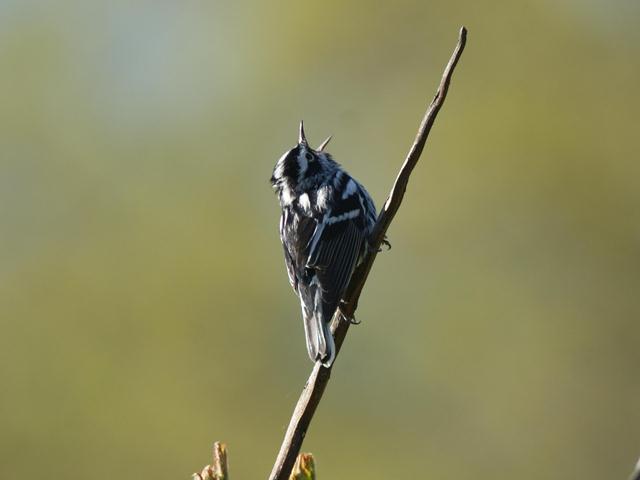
{"x":326,"y":220}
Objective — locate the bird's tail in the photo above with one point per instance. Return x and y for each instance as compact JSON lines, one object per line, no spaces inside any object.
{"x":320,"y":344}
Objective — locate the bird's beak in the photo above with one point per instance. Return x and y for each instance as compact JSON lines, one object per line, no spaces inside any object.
{"x":324,"y":144}
{"x":302,"y":139}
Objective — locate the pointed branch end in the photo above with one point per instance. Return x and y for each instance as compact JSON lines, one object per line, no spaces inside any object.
{"x":462,"y":37}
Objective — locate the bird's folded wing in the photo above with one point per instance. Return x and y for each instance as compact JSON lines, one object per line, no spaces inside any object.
{"x":333,"y":256}
{"x":295,"y":233}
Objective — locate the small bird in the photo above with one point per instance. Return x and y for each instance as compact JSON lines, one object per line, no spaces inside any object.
{"x":327,"y":217}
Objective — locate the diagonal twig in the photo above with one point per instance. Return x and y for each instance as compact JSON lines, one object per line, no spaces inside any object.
{"x":314,"y":388}
{"x":636,"y":472}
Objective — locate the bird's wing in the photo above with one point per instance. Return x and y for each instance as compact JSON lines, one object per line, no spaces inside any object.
{"x":333,"y":256}
{"x":295,"y":233}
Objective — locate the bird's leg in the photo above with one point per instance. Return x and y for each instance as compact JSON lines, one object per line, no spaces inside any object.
{"x":351,"y":321}
{"x":384,"y":242}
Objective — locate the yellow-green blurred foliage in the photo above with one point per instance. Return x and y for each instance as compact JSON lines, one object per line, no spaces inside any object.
{"x":144,"y":306}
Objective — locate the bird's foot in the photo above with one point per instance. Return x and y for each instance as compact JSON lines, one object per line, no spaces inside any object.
{"x":384,"y":242}
{"x":353,"y":321}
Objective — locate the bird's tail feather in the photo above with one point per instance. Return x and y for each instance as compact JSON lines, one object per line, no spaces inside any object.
{"x":320,"y":344}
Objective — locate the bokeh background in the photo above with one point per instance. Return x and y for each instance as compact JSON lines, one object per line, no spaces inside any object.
{"x":144,"y":306}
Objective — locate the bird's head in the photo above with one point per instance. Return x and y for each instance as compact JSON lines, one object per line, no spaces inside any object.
{"x":302,"y":167}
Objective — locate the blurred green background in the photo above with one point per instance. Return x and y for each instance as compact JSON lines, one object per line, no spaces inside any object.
{"x":144,"y":306}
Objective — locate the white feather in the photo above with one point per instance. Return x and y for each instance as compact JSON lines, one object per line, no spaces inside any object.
{"x":349,"y":190}
{"x":305,"y":203}
{"x":323,"y":197}
{"x":345,"y":216}
{"x":279,"y":171}
{"x":286,"y":196}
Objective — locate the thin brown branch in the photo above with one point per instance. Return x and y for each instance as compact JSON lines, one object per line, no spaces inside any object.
{"x":636,"y":472}
{"x":317,"y":382}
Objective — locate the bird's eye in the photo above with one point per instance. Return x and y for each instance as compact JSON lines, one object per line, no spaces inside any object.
{"x":308,"y":156}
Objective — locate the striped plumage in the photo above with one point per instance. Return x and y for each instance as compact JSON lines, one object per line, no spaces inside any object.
{"x":326,"y":219}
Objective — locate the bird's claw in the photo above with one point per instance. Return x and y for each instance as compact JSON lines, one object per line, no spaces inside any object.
{"x":350,"y":321}
{"x":384,"y":242}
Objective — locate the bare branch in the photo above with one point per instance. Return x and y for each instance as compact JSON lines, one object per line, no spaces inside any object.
{"x":313,"y":390}
{"x":636,"y":472}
